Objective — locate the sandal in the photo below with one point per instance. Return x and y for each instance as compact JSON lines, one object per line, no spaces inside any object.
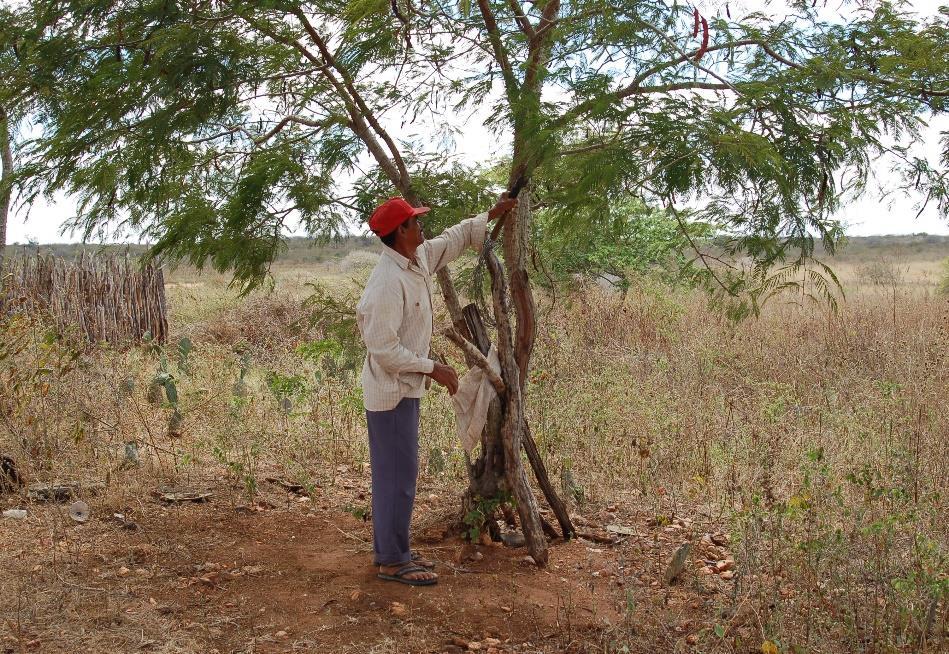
{"x":418,"y":559}
{"x":401,"y":575}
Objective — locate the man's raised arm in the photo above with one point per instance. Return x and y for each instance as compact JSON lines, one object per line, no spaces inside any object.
{"x":469,"y":233}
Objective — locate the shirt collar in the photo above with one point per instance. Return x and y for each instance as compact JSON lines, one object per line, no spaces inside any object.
{"x":402,"y":262}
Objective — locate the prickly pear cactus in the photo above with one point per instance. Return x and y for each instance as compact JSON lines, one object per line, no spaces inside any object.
{"x":185,"y":348}
{"x":155,"y":392}
{"x":163,"y":381}
{"x":174,"y":424}
{"x":171,"y":391}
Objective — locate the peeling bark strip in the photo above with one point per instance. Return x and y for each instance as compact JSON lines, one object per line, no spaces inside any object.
{"x":475,"y":326}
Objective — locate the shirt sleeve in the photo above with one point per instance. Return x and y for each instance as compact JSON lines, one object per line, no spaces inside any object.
{"x":448,"y":246}
{"x":379,"y":316}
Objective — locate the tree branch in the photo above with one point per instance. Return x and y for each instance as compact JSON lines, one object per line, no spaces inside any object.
{"x":665,"y":37}
{"x":322,"y":124}
{"x":633,"y":87}
{"x":500,"y":55}
{"x":366,"y":112}
{"x":357,"y":122}
{"x":642,"y":77}
{"x":521,"y":19}
{"x":698,"y":252}
{"x":547,"y":20}
{"x":537,"y":47}
{"x":677,"y":86}
{"x":475,"y":355}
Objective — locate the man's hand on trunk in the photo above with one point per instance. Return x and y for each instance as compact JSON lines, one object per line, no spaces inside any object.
{"x":446,"y":376}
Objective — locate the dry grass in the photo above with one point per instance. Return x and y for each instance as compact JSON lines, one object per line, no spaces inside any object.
{"x":819,"y":439}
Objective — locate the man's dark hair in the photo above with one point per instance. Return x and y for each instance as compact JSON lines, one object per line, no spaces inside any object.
{"x":389,"y":239}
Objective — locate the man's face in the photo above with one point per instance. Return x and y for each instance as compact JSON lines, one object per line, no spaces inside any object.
{"x":413,"y":232}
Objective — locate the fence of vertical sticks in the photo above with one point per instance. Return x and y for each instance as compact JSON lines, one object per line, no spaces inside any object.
{"x":113,"y":299}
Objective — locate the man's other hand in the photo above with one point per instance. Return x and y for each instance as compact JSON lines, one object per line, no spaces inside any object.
{"x":502,"y":207}
{"x":446,"y":376}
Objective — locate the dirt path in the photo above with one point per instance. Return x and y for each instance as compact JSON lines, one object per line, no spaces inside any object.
{"x":296,"y":577}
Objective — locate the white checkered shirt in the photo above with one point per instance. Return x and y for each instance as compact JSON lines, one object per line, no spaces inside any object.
{"x":395,"y":315}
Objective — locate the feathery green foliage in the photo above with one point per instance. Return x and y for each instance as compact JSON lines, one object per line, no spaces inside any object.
{"x":214,"y":128}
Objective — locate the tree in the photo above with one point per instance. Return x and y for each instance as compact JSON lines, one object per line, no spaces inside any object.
{"x":6,"y":178}
{"x":224,"y":121}
{"x":8,"y":99}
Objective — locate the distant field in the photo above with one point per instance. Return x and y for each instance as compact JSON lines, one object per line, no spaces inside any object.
{"x":305,"y":251}
{"x":907,"y":263}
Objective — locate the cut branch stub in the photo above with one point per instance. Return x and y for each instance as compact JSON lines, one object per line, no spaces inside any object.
{"x":475,"y":325}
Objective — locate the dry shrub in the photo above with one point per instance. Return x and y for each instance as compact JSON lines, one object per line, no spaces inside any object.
{"x":821,"y":437}
{"x":881,"y":272}
{"x":263,"y":323}
{"x":818,"y":439}
{"x":358,"y":262}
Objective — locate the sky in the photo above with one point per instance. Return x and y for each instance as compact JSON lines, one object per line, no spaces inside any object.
{"x":869,"y":215}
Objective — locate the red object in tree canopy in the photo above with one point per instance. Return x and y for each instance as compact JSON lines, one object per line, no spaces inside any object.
{"x":392,"y":213}
{"x":704,"y":48}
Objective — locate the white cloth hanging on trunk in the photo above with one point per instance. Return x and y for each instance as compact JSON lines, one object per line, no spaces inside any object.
{"x":475,"y":392}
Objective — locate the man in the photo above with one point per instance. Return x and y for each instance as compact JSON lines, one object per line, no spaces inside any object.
{"x":395,"y":318}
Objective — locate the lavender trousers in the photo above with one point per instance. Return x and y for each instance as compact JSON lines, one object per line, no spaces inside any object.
{"x":393,"y":456}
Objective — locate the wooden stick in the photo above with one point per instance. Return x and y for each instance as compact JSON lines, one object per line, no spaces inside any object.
{"x":482,"y":361}
{"x":543,"y":480}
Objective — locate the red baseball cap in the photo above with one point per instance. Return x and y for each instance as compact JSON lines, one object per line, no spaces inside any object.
{"x":392,"y":213}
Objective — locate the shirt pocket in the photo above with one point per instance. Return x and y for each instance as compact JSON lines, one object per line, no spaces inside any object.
{"x":411,"y":318}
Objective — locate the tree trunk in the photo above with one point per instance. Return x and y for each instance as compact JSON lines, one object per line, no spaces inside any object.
{"x":516,"y":235}
{"x":512,"y":431}
{"x":486,"y":476}
{"x":489,"y":474}
{"x":6,"y":178}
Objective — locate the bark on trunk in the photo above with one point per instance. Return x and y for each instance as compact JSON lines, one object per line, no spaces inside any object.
{"x":486,"y":477}
{"x":516,"y":235}
{"x":512,"y":431}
